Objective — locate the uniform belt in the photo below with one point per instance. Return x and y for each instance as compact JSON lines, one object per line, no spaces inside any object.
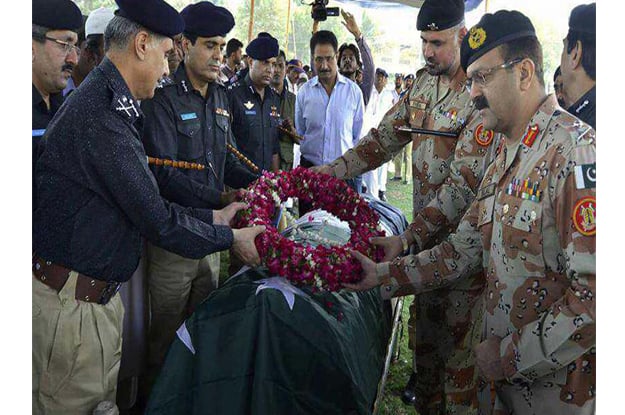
{"x":87,"y":288}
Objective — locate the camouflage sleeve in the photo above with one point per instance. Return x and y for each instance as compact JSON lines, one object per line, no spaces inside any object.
{"x":378,"y":146}
{"x":566,"y":330}
{"x":465,"y":174}
{"x":437,"y":267}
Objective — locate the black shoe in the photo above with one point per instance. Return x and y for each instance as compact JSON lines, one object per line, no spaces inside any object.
{"x":382,"y":196}
{"x":396,"y":179}
{"x":408,"y":397}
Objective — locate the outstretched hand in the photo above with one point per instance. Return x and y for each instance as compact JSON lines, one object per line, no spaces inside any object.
{"x":369,"y":276}
{"x":392,"y":246}
{"x":224,"y":216}
{"x":325,"y":169}
{"x":350,"y":24}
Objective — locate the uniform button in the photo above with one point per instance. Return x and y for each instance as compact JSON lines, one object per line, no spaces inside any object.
{"x":506,"y":208}
{"x":533,"y":215}
{"x":525,"y":243}
{"x":37,"y":266}
{"x":388,"y":289}
{"x":64,"y":301}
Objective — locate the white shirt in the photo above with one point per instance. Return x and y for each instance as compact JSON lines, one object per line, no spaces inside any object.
{"x":330,"y":125}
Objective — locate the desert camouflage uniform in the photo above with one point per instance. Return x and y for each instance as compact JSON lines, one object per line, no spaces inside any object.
{"x":446,"y":172}
{"x":539,"y":257}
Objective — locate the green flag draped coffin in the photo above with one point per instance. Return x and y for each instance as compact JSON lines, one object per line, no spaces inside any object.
{"x":259,"y":345}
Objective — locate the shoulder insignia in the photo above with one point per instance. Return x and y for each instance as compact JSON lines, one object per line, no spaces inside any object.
{"x":584,"y":216}
{"x":530,"y":135}
{"x":483,"y":137}
{"x":586,"y":176}
{"x":127,"y":107}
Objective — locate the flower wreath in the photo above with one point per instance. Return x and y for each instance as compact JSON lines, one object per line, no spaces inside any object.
{"x":323,"y":267}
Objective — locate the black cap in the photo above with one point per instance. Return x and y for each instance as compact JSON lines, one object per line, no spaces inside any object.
{"x":207,"y":20}
{"x":493,"y":30}
{"x":57,"y":14}
{"x":263,"y":47}
{"x":155,"y":15}
{"x":409,"y":76}
{"x":380,"y":71}
{"x":440,"y":14}
{"x":584,"y":19}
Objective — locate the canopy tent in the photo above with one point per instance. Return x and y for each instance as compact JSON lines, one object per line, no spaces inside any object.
{"x":376,"y":4}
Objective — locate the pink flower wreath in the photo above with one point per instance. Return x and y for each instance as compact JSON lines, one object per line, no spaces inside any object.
{"x":323,"y":267}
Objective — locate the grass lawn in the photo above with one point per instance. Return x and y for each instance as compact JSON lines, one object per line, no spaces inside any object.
{"x":399,"y":195}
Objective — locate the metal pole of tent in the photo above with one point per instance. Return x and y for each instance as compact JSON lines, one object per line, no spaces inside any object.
{"x":249,"y":31}
{"x":288,"y":22}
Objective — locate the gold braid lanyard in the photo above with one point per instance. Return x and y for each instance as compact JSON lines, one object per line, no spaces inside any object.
{"x":197,"y":166}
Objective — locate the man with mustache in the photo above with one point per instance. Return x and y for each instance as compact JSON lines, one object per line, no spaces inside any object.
{"x":256,"y":107}
{"x":287,"y":111}
{"x":189,"y":120}
{"x":445,"y":325}
{"x":532,"y":227}
{"x":54,"y":38}
{"x":578,"y":64}
{"x":329,"y":109}
{"x":98,"y":200}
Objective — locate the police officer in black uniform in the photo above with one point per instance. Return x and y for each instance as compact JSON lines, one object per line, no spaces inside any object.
{"x":256,"y":107}
{"x":578,"y":64}
{"x":55,"y":26}
{"x":189,"y":120}
{"x":98,"y":198}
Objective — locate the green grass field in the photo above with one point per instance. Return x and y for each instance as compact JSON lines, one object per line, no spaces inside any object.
{"x":399,"y":195}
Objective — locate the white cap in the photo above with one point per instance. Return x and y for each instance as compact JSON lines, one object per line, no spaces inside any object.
{"x":97,"y":21}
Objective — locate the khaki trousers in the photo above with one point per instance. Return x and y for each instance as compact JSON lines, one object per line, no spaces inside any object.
{"x":77,"y":348}
{"x":177,"y":285}
{"x":404,"y":157}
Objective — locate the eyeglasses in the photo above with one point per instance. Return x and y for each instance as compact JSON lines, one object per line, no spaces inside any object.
{"x":66,"y":46}
{"x":480,"y":78}
{"x":319,"y":59}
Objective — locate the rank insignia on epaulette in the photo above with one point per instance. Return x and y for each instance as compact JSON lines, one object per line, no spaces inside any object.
{"x":483,"y":137}
{"x":584,"y":216}
{"x":530,"y":135}
{"x":586,"y":176}
{"x":221,"y":111}
{"x":249,"y":105}
{"x":126,"y":105}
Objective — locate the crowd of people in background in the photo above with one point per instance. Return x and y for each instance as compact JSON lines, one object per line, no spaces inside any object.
{"x":119,"y":92}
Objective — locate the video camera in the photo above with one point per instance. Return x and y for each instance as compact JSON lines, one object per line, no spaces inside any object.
{"x":320,"y":12}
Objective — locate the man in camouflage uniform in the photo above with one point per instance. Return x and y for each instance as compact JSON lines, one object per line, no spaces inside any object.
{"x":444,"y":325}
{"x":532,"y":226}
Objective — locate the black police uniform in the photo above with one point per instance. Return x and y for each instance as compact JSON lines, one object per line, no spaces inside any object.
{"x":96,"y":191}
{"x":41,"y":118}
{"x":255,"y":122}
{"x":586,"y":108}
{"x":181,"y":125}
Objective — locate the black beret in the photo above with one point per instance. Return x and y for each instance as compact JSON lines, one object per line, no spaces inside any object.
{"x":57,"y":14}
{"x":263,"y":47}
{"x":583,"y":19}
{"x":440,"y":14}
{"x":409,"y":76}
{"x":207,"y":20}
{"x":493,"y":30}
{"x":155,"y":15}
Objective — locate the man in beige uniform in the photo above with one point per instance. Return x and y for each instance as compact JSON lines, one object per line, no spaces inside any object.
{"x":532,"y":226}
{"x":444,"y":326}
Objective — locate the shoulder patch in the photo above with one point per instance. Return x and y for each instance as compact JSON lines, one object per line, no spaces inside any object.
{"x":586,"y":176}
{"x":584,"y":216}
{"x":483,"y":137}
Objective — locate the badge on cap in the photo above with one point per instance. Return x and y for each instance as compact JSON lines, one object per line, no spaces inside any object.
{"x":477,"y":37}
{"x":432,"y":26}
{"x":586,"y":176}
{"x":584,"y":216}
{"x":483,"y":137}
{"x":531,"y":135}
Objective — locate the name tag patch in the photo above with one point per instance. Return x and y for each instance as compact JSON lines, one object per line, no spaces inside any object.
{"x":38,"y":133}
{"x":188,"y":116}
{"x":247,"y":112}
